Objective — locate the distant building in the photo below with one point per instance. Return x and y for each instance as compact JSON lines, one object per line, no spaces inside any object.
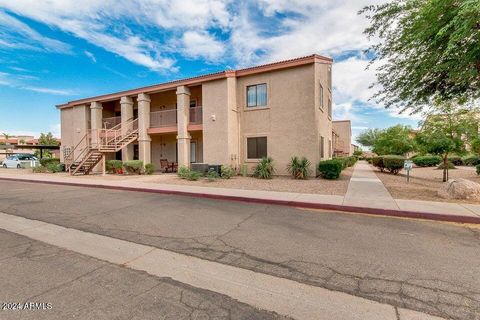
{"x":19,"y":144}
{"x":342,"y":137}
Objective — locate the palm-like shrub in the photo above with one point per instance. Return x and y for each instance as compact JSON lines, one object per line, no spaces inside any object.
{"x":264,"y":169}
{"x":226,"y":172}
{"x":299,"y":168}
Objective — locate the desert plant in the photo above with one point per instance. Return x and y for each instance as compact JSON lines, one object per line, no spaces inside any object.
{"x":212,"y":175}
{"x":227,"y":172}
{"x":133,"y":166}
{"x":299,"y":168}
{"x":40,"y":169}
{"x":427,"y":161}
{"x":149,"y":168}
{"x":471,"y":160}
{"x":183,"y":172}
{"x":393,"y":163}
{"x":194,"y":175}
{"x":330,"y":169}
{"x":378,"y":162}
{"x":54,"y":167}
{"x":264,"y":169}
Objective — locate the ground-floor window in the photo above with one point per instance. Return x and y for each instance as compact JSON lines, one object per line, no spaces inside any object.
{"x":193,"y":151}
{"x":322,"y":147}
{"x":256,"y":147}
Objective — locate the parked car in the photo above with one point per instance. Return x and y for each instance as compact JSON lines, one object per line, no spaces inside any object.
{"x":21,"y":161}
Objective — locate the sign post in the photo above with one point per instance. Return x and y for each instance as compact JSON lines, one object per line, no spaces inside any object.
{"x":408,"y":165}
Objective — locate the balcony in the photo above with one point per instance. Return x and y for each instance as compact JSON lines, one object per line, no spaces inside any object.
{"x":168,"y":118}
{"x":108,"y":123}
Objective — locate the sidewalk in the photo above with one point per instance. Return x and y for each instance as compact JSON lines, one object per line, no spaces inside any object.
{"x":365,"y":194}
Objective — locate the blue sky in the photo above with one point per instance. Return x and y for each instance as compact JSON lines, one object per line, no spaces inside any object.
{"x":60,"y":50}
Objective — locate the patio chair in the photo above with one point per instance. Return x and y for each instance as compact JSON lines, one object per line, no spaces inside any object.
{"x":165,"y":165}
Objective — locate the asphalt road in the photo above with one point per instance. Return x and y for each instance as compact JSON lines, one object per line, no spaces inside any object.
{"x":426,"y":266}
{"x":80,"y":287}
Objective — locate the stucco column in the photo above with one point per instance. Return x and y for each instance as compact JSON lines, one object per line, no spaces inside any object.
{"x":126,"y":107}
{"x":95,"y":121}
{"x":144,"y":140}
{"x":183,"y":118}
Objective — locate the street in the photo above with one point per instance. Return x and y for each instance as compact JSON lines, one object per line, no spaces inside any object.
{"x":430,"y":267}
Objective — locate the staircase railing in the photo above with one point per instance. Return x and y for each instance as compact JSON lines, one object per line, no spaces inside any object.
{"x":80,"y":150}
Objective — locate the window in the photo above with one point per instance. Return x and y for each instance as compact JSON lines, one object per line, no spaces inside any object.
{"x":256,"y":147}
{"x":193,"y":103}
{"x":321,"y":96}
{"x":257,"y":95}
{"x":330,"y":108}
{"x":193,"y":151}
{"x":330,"y":79}
{"x":322,"y":147}
{"x":329,"y":148}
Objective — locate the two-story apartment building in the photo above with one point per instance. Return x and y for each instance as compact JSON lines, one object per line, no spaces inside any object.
{"x":234,"y":117}
{"x":342,"y":137}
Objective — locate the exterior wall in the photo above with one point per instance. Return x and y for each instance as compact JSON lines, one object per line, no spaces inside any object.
{"x":323,"y":119}
{"x":163,"y":147}
{"x":344,"y":130}
{"x":74,"y":125}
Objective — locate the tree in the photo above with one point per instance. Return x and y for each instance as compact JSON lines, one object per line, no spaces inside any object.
{"x":46,"y":139}
{"x":6,"y":135}
{"x":396,"y":140}
{"x":429,"y":51}
{"x":368,"y":137}
{"x":447,"y":132}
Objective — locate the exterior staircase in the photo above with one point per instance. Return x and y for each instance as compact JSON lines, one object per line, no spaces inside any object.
{"x":96,"y":143}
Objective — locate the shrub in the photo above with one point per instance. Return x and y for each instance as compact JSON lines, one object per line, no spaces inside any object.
{"x":378,"y":162}
{"x":478,"y":169}
{"x":471,"y":160}
{"x":212,"y":175}
{"x":427,"y":161}
{"x":149,"y":168}
{"x":264,"y":169}
{"x":456,"y":160}
{"x":450,"y":166}
{"x":44,"y":162}
{"x":113,"y":165}
{"x":226,"y":172}
{"x":183,"y":172}
{"x":40,"y":169}
{"x":194,"y":175}
{"x":358,"y":153}
{"x":299,"y":168}
{"x":369,"y":159}
{"x":54,"y":167}
{"x":133,"y":166}
{"x":330,"y":169}
{"x":393,"y":163}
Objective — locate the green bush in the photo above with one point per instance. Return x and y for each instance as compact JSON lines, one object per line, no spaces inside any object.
{"x":369,"y":159}
{"x":113,"y":165}
{"x":393,"y":163}
{"x":450,"y":166}
{"x":478,"y":169}
{"x":194,"y":175}
{"x":427,"y":161}
{"x":212,"y":175}
{"x":44,"y":162}
{"x":330,"y":169}
{"x":149,"y":168}
{"x":264,"y":169}
{"x":183,"y":172}
{"x":456,"y":160}
{"x":378,"y":162}
{"x":358,"y":153}
{"x":226,"y":172}
{"x":40,"y":169}
{"x":299,"y":168}
{"x":133,"y":166}
{"x":471,"y":160}
{"x":54,"y":167}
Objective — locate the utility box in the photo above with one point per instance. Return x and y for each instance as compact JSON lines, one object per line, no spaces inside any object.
{"x":200,"y":167}
{"x":215,"y":167}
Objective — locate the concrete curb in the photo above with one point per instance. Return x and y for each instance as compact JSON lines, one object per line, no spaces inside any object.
{"x":289,"y":203}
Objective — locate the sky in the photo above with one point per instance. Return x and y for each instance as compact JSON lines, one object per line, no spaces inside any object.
{"x":56,"y":51}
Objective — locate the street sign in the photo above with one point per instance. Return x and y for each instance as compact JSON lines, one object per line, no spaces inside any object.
{"x":408,"y":165}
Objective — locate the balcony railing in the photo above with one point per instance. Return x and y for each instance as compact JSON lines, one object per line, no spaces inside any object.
{"x":108,"y":123}
{"x":168,"y":118}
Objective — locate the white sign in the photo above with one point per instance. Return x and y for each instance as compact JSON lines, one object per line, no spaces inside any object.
{"x":408,"y":165}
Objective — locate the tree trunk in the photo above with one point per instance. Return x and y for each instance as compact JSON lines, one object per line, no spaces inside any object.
{"x":445,"y":168}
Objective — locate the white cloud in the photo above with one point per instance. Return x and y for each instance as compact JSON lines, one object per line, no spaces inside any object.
{"x":201,"y":45}
{"x":91,"y":56}
{"x":18,"y":82}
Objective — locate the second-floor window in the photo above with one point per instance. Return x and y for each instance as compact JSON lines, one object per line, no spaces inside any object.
{"x":321,"y":96}
{"x":330,"y":108}
{"x":257,"y":95}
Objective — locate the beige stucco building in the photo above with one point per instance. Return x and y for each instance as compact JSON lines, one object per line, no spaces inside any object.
{"x":342,"y":137}
{"x":233,"y":117}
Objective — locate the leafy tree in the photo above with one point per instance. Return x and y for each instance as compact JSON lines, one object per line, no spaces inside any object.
{"x":368,"y":137}
{"x":396,"y":140}
{"x":447,"y":132}
{"x":429,"y":51}
{"x":46,"y":139}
